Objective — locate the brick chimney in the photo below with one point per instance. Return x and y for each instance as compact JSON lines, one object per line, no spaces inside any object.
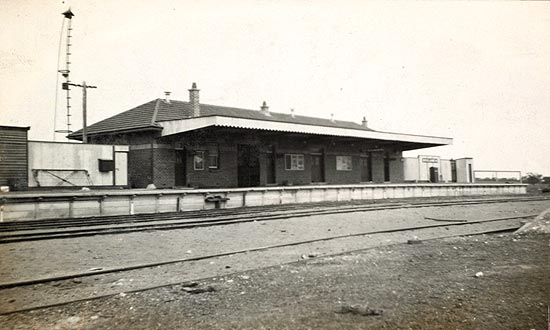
{"x":364,"y":122}
{"x":167,"y":97}
{"x":265,"y":109}
{"x":194,"y":101}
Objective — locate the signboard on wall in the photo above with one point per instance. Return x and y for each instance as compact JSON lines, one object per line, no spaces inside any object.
{"x":430,"y":160}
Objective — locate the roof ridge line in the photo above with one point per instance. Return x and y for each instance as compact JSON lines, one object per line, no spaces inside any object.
{"x":155,"y":112}
{"x":276,"y":112}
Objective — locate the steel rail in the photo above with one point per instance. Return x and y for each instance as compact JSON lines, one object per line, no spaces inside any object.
{"x":60,"y":234}
{"x":155,"y":264}
{"x":263,"y":248}
{"x":186,"y":224}
{"x":251,"y":209}
{"x":156,"y":217}
{"x":54,"y":222}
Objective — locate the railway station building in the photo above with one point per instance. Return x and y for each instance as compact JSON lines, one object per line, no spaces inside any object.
{"x":191,"y":144}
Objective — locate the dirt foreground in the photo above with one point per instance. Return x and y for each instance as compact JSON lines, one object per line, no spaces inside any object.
{"x":431,"y":285}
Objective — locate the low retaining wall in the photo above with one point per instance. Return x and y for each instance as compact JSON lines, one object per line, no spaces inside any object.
{"x":43,"y":205}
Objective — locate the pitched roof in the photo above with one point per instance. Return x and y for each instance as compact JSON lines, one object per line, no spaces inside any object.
{"x":136,"y":118}
{"x":147,"y":115}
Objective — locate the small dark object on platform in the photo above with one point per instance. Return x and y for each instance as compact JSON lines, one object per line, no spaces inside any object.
{"x":216,"y":199}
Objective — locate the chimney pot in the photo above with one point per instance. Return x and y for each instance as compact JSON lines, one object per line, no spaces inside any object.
{"x":332,"y":117}
{"x":194,"y":100}
{"x":167,"y":97}
{"x":364,"y":122}
{"x":265,"y":109}
{"x":292,"y":113}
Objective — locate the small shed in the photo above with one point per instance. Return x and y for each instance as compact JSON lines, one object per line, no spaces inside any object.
{"x":13,"y":157}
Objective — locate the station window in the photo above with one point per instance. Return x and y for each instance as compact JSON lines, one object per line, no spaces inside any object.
{"x":198,"y":160}
{"x":343,"y":163}
{"x":213,"y":156}
{"x":294,"y":162}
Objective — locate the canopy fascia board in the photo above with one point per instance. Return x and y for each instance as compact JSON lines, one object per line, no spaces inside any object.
{"x":172,"y":127}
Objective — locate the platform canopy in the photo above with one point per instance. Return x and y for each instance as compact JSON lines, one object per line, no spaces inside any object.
{"x":172,"y":127}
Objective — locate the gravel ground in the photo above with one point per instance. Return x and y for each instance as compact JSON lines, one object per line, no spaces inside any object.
{"x":292,"y":296}
{"x":432,"y":285}
{"x":51,"y":293}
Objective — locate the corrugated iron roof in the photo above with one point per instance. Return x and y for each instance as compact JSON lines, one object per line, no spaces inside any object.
{"x":177,"y":126}
{"x":149,"y":114}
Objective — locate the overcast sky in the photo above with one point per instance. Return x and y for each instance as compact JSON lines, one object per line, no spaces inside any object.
{"x":478,"y":72}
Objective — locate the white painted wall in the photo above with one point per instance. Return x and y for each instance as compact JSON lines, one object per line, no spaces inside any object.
{"x":121,"y":167}
{"x":418,"y":169}
{"x":424,"y":164}
{"x":73,"y":156}
{"x":410,"y":169}
{"x":463,"y":171}
{"x":445,"y":174}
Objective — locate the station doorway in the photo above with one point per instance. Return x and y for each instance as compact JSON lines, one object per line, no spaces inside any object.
{"x":387,"y":160}
{"x":248,"y":166}
{"x":180,"y":170}
{"x":366,"y":168}
{"x":434,"y":174}
{"x":317,"y":168}
{"x":270,"y":162}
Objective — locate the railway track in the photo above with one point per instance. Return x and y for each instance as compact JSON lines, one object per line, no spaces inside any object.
{"x":448,"y":230}
{"x":24,"y":231}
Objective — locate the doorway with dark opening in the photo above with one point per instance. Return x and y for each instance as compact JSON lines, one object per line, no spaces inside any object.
{"x":248,"y":168}
{"x":317,"y":167}
{"x":366,"y":168}
{"x":180,"y":168}
{"x":387,"y":160}
{"x":270,"y":165}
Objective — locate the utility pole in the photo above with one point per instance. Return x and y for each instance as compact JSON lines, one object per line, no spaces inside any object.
{"x":84,"y":108}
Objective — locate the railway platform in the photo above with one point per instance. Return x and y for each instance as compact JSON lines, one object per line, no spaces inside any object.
{"x":69,"y":204}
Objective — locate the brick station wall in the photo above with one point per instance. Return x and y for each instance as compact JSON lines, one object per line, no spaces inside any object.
{"x":152,"y":159}
{"x":223,"y":176}
{"x":227,"y":173}
{"x":139,"y":168}
{"x":164,"y":160}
